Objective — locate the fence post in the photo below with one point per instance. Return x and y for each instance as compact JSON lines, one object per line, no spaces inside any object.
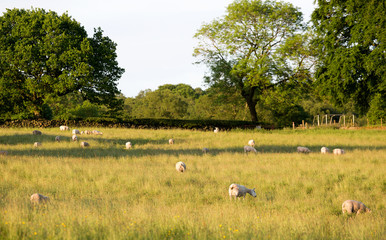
{"x":326,"y":120}
{"x":318,"y":121}
{"x":353,"y":120}
{"x":293,"y":125}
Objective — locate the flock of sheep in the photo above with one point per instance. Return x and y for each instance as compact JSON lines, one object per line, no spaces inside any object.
{"x":235,"y":190}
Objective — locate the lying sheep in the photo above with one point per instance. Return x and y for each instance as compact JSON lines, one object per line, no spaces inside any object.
{"x":64,"y":128}
{"x":57,"y":138}
{"x":37,"y":198}
{"x":338,"y":151}
{"x":251,"y":143}
{"x":3,"y":153}
{"x":236,"y":190}
{"x":324,"y":150}
{"x":205,"y":150}
{"x":36,"y":132}
{"x":303,"y":150}
{"x":216,"y":130}
{"x":37,"y":144}
{"x":75,"y":131}
{"x":180,"y":167}
{"x":128,"y":145}
{"x":74,"y":138}
{"x":249,"y":149}
{"x":171,"y":141}
{"x":84,"y":144}
{"x":96,"y":132}
{"x":87,"y":132}
{"x":352,"y":206}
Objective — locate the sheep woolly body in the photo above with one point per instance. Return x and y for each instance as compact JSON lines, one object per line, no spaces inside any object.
{"x":352,"y":206}
{"x":74,"y":138}
{"x":37,"y":144}
{"x":338,"y":151}
{"x":36,"y":132}
{"x":84,"y":144}
{"x":251,"y":143}
{"x":128,"y":145}
{"x":205,"y":150}
{"x":303,"y":150}
{"x":249,"y":149}
{"x":216,"y":130}
{"x":57,"y":138}
{"x":37,"y":198}
{"x":171,"y":141}
{"x":64,"y":128}
{"x":236,"y":190}
{"x":180,"y":167}
{"x":324,"y":150}
{"x":75,"y":131}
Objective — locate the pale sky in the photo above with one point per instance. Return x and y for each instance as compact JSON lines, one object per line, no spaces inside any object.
{"x":155,"y":38}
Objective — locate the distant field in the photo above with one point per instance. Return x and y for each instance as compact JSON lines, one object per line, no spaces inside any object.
{"x":108,"y":192}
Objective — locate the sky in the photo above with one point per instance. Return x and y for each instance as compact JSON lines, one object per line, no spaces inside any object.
{"x":154,"y":38}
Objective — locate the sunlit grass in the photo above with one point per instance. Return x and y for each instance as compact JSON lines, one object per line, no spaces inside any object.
{"x":108,"y":192}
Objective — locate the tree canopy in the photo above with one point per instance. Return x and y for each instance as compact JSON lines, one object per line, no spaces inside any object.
{"x":44,"y":55}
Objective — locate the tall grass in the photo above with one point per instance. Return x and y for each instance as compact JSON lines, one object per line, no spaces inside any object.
{"x":108,"y":192}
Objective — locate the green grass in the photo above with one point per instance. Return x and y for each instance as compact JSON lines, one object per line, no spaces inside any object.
{"x":108,"y":192}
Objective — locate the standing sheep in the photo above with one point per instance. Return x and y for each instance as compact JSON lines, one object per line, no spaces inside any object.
{"x":37,"y":144}
{"x":338,"y":151}
{"x":171,"y":141}
{"x":205,"y":150}
{"x":236,"y":190}
{"x":128,"y":145}
{"x":352,"y":206}
{"x":74,"y":138}
{"x":36,"y":132}
{"x":303,"y":150}
{"x":84,"y":144}
{"x":37,"y":198}
{"x":249,"y":149}
{"x":64,"y":128}
{"x":251,"y":143}
{"x":75,"y":131}
{"x":87,"y":132}
{"x":57,"y":138}
{"x":324,"y":150}
{"x":180,"y":167}
{"x":216,"y":130}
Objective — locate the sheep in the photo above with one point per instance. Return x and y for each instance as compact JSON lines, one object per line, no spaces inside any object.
{"x":180,"y":167}
{"x":36,"y":132}
{"x":338,"y":151}
{"x":236,"y":190}
{"x":171,"y":141}
{"x":75,"y":131}
{"x":37,"y":198}
{"x":128,"y":145}
{"x":96,"y":132}
{"x":87,"y":132}
{"x":84,"y":144}
{"x":74,"y":138}
{"x":251,"y":143}
{"x":64,"y":128}
{"x":37,"y":144}
{"x":303,"y":150}
{"x":352,"y":206}
{"x":249,"y":149}
{"x":324,"y":150}
{"x":81,"y":132}
{"x":216,"y":130}
{"x":57,"y":138}
{"x":205,"y":150}
{"x":3,"y":153}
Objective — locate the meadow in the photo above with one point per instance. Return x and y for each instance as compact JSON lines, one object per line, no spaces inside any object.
{"x":108,"y":192}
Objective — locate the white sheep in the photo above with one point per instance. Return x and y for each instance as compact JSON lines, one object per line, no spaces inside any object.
{"x":36,"y":132}
{"x":74,"y":138}
{"x":81,"y":132}
{"x":338,"y":151}
{"x":84,"y":144}
{"x":251,"y":143}
{"x":96,"y":132}
{"x":64,"y":128}
{"x":75,"y":131}
{"x":205,"y":150}
{"x":171,"y":141}
{"x":37,"y":198}
{"x":3,"y":153}
{"x":249,"y":149}
{"x":324,"y":150}
{"x":216,"y":130}
{"x":303,"y":150}
{"x":87,"y":132}
{"x":236,"y":190}
{"x":180,"y":167}
{"x":57,"y":138}
{"x":352,"y":206}
{"x":37,"y":144}
{"x":128,"y":145}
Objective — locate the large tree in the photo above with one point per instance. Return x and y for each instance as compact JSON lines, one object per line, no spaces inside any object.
{"x":44,"y":55}
{"x":351,"y":40}
{"x":248,"y":49}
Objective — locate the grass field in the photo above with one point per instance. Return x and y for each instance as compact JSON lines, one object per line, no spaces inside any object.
{"x":108,"y":192}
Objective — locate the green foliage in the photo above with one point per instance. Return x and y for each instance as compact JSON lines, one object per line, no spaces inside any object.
{"x":86,"y":110}
{"x":377,"y":109}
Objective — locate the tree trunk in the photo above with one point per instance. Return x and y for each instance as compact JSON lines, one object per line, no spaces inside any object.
{"x":248,"y":96}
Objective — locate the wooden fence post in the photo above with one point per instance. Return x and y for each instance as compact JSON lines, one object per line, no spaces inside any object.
{"x":293,"y":125}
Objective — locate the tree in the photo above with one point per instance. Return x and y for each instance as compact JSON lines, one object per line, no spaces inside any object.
{"x":245,"y":48}
{"x":351,"y":41}
{"x":44,"y":55}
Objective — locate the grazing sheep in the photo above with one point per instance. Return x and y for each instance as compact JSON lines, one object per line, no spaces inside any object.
{"x":236,"y":190}
{"x":128,"y":145}
{"x":64,"y":128}
{"x":216,"y":130}
{"x":251,"y":143}
{"x":180,"y":167}
{"x":74,"y":138}
{"x":205,"y":150}
{"x":36,"y":132}
{"x":87,"y":132}
{"x":57,"y":138}
{"x":352,"y":206}
{"x":303,"y":150}
{"x":96,"y":132}
{"x":75,"y":131}
{"x":37,"y":198}
{"x":338,"y":151}
{"x":171,"y":141}
{"x":84,"y":144}
{"x":37,"y":144}
{"x":3,"y":153}
{"x":324,"y":150}
{"x":249,"y":149}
